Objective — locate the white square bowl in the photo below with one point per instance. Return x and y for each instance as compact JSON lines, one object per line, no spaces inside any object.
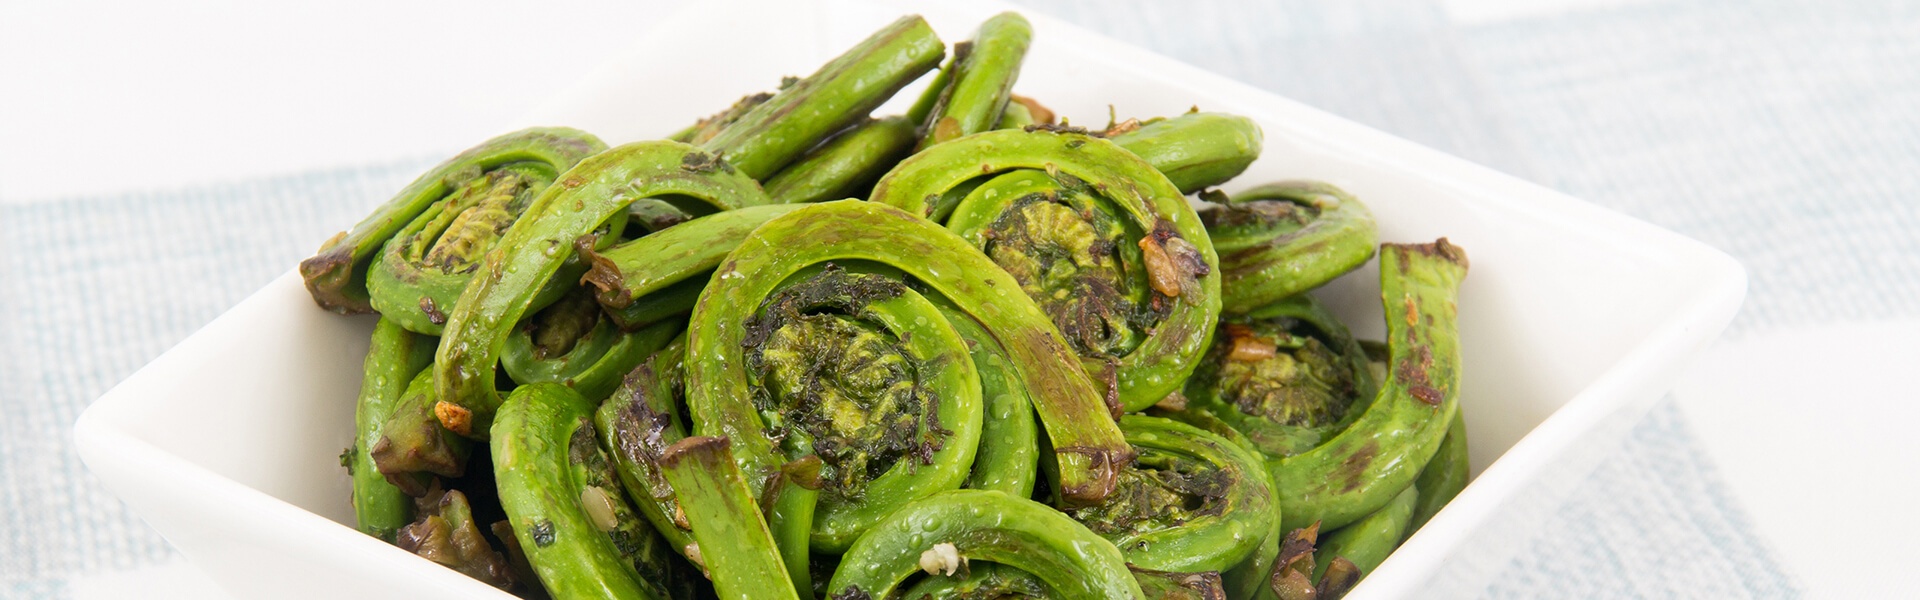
{"x":1574,"y":319}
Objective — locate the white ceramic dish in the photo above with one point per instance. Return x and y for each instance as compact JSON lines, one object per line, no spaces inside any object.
{"x":1574,"y":319}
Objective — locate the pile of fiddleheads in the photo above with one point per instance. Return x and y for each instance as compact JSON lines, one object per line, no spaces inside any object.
{"x":798,"y":350}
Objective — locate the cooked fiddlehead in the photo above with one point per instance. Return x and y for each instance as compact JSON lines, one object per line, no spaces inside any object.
{"x":413,"y":447}
{"x":719,"y":384}
{"x":636,"y":425}
{"x":766,"y":137}
{"x":574,"y":343}
{"x":1286,"y":377}
{"x":533,"y":250}
{"x":1281,"y":239}
{"x":845,"y":166}
{"x":1444,"y":476}
{"x":663,"y":273}
{"x":513,"y":165}
{"x":1334,"y":455}
{"x":1102,"y":241}
{"x":977,"y":83}
{"x":775,"y":132}
{"x":853,"y":368}
{"x":1191,"y":502}
{"x":446,"y":534}
{"x":950,"y":531}
{"x":1195,"y":150}
{"x":566,"y":508}
{"x":1367,"y":542}
{"x":394,"y":357}
{"x":736,"y":548}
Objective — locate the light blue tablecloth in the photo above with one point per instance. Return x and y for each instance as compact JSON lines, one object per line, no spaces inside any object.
{"x":1783,"y":132}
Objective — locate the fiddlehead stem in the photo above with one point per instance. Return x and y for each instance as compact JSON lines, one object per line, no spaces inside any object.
{"x":845,"y":166}
{"x":1195,"y":150}
{"x":337,"y":274}
{"x":948,"y":532}
{"x":1444,"y":476}
{"x":393,"y":359}
{"x":533,"y":250}
{"x":1281,"y":239}
{"x":1105,"y":244}
{"x":636,"y":425}
{"x":780,"y":129}
{"x":978,"y":80}
{"x":567,"y":511}
{"x":1367,"y":542}
{"x":666,"y":270}
{"x":735,"y":544}
{"x":719,"y":387}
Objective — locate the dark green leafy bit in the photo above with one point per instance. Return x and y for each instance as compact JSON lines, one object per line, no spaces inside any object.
{"x":1069,"y":254}
{"x":1161,"y":491}
{"x":1164,"y":585}
{"x":839,"y":380}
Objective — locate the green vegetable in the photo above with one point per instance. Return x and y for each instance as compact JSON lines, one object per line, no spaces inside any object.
{"x":945,"y":532}
{"x":393,"y":358}
{"x":337,"y":274}
{"x":446,"y":534}
{"x":780,"y":129}
{"x":1281,"y":239}
{"x":1366,"y":542}
{"x":1009,"y":455}
{"x":567,"y":513}
{"x":1106,"y":245}
{"x":1167,"y":585}
{"x":412,"y":446}
{"x":664,"y":271}
{"x":723,"y":399}
{"x":1444,"y":476}
{"x":1191,"y":502}
{"x":528,"y":255}
{"x":1196,"y":150}
{"x":735,"y":545}
{"x":1287,"y":377}
{"x":845,"y":166}
{"x":575,"y":344}
{"x":1364,"y":466}
{"x":852,"y":368}
{"x":978,"y":81}
{"x":636,"y":425}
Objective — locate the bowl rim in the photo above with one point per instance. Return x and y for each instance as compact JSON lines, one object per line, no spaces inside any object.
{"x":123,"y":459}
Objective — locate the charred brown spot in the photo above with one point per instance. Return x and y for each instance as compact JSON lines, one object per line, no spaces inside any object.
{"x":1440,"y":248}
{"x":1353,"y":470}
{"x":433,"y":312}
{"x":1412,"y":371}
{"x":1427,"y":394}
